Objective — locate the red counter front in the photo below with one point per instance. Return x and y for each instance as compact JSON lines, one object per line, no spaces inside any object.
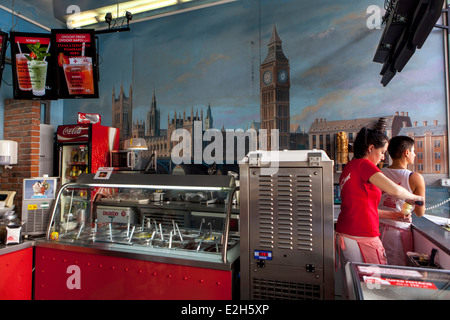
{"x":64,"y":274}
{"x":16,"y":274}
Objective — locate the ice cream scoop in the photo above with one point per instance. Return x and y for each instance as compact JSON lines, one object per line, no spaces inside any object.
{"x":407,"y":208}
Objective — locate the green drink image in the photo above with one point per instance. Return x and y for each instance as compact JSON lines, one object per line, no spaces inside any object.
{"x":38,"y":76}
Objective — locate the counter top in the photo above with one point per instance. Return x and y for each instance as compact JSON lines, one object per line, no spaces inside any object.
{"x":10,"y":248}
{"x":134,"y":252}
{"x":432,"y":231}
{"x":126,"y":252}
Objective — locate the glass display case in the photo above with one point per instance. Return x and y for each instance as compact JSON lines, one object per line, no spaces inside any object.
{"x":188,"y":217}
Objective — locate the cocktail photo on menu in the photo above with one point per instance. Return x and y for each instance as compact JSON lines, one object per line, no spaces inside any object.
{"x":32,"y":63}
{"x":76,"y":55}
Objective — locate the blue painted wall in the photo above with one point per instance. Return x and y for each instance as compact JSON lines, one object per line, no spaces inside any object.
{"x":212,"y":56}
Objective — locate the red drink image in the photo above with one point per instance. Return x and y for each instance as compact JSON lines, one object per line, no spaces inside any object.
{"x":79,"y":75}
{"x":23,"y":75}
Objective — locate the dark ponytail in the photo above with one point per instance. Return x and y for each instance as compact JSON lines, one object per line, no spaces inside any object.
{"x":367,"y":137}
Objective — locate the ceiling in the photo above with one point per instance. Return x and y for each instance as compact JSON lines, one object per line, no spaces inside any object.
{"x":91,"y":13}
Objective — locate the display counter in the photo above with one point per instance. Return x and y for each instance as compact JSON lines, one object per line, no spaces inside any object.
{"x":140,"y":237}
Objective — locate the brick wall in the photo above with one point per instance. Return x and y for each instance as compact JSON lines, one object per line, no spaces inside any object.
{"x":21,"y":124}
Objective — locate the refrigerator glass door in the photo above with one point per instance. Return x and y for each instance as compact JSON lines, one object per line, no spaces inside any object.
{"x":74,"y":161}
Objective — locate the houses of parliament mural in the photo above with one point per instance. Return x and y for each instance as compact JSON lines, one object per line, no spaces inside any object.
{"x":275,"y":112}
{"x":150,"y":128}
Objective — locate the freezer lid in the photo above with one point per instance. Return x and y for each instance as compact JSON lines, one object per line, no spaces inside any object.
{"x":73,"y":133}
{"x":264,"y":157}
{"x":388,"y":282}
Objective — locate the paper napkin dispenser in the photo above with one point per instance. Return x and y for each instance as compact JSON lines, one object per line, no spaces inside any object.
{"x":8,"y":152}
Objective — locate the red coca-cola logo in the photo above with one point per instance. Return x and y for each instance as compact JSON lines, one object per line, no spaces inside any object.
{"x":72,"y":130}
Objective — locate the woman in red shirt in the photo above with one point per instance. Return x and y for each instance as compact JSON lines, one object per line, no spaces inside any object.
{"x":357,"y":228}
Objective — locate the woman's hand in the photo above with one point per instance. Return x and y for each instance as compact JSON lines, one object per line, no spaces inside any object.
{"x":398,"y":216}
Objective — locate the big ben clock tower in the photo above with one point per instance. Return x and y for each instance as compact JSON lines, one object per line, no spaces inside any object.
{"x":275,"y":85}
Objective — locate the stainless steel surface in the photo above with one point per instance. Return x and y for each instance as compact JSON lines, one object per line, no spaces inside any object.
{"x":227,"y":225}
{"x":433,"y":232}
{"x":37,"y":201}
{"x":157,"y":181}
{"x":287,"y":214}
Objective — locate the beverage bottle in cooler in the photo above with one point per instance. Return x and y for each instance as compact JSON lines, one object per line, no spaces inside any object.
{"x":74,"y":155}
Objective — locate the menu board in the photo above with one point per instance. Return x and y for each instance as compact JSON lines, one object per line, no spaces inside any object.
{"x":3,"y":42}
{"x":76,"y":63}
{"x":32,"y":65}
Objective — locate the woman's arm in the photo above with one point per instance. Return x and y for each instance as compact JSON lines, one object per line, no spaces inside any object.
{"x":393,"y":215}
{"x":417,"y":184}
{"x":388,"y":186}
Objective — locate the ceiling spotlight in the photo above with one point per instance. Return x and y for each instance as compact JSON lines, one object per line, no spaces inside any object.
{"x":128,"y":15}
{"x":108,"y":18}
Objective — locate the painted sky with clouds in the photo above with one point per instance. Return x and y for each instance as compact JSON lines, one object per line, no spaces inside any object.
{"x":212,"y":56}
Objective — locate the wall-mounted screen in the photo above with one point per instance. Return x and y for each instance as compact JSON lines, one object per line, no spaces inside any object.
{"x":76,"y":63}
{"x":32,"y":65}
{"x":3,"y":43}
{"x":407,"y":25}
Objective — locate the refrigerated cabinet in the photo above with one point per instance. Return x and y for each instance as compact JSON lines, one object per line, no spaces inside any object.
{"x":386,"y":282}
{"x":140,"y":236}
{"x":84,"y":148}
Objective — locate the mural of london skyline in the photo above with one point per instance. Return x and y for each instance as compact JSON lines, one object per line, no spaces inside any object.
{"x":212,"y":57}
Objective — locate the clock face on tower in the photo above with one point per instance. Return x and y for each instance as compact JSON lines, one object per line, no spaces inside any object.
{"x":267,"y":77}
{"x":282,"y":76}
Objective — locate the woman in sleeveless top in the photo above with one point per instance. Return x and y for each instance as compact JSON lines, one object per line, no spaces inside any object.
{"x":395,"y":227}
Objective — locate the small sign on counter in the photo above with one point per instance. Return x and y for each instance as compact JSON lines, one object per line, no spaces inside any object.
{"x":103,"y":173}
{"x":13,"y":234}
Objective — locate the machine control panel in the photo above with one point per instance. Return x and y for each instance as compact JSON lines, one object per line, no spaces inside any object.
{"x":262,"y":255}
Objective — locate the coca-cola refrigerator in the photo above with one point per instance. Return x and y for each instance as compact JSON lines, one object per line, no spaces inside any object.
{"x":83,"y":148}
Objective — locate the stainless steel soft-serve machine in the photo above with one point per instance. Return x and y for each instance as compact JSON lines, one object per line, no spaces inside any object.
{"x":286,"y":225}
